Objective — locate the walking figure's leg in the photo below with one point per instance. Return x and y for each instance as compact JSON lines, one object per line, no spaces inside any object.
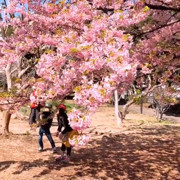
{"x":48,"y":134}
{"x":40,"y":139}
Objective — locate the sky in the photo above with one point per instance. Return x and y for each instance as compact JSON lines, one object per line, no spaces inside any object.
{"x":2,"y":1}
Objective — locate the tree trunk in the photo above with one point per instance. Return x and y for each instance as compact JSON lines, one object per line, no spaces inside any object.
{"x":117,"y":114}
{"x":6,"y":120}
{"x":6,"y":113}
{"x":125,"y":108}
{"x":141,"y":105}
{"x":8,"y":77}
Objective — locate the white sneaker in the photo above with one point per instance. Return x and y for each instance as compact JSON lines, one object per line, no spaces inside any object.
{"x":40,"y":149}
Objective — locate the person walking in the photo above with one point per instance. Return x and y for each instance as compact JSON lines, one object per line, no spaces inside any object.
{"x":64,"y":132}
{"x":35,"y":108}
{"x":45,"y":122}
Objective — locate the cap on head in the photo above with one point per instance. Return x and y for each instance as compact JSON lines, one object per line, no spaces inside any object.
{"x":62,"y":106}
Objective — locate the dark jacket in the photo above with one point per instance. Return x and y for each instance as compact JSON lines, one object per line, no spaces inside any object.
{"x":47,"y":119}
{"x":63,"y":122}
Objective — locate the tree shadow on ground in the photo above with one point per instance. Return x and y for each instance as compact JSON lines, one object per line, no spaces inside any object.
{"x":148,"y":154}
{"x":22,"y":166}
{"x":5,"y":164}
{"x":132,"y":156}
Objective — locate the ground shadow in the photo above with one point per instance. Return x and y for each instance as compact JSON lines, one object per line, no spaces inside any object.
{"x":135,"y":156}
{"x":148,"y":154}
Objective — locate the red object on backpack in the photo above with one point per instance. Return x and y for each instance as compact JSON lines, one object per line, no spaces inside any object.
{"x":34,"y":93}
{"x":62,"y":106}
{"x":33,"y":105}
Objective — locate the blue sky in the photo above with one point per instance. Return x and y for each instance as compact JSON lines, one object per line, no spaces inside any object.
{"x":67,"y":1}
{"x":2,"y":1}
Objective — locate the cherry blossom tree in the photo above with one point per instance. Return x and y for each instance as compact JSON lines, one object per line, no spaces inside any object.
{"x":156,"y":48}
{"x":79,"y":47}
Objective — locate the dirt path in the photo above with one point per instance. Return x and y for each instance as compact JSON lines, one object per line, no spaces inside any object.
{"x":142,"y":149}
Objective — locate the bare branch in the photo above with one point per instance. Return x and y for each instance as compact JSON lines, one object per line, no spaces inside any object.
{"x":22,"y":72}
{"x":163,"y":8}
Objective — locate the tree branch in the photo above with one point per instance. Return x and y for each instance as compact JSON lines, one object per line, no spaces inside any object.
{"x":106,"y":10}
{"x":22,"y":72}
{"x":163,"y":8}
{"x":153,"y":30}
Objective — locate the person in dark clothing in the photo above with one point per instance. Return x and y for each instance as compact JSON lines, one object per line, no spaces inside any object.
{"x":35,"y":109}
{"x":45,"y":123}
{"x":64,"y":132}
{"x":34,"y":115}
{"x":63,"y":120}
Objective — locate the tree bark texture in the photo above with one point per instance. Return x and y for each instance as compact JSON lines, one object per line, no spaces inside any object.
{"x":6,"y":120}
{"x":117,"y":115}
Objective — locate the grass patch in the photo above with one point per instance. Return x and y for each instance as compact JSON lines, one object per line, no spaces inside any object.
{"x":148,"y":121}
{"x":25,"y":110}
{"x":70,"y":106}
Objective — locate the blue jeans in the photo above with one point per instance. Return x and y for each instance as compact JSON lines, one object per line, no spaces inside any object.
{"x":48,"y":134}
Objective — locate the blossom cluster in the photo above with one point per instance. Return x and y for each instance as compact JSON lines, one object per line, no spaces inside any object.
{"x":78,"y":120}
{"x":79,"y":140}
